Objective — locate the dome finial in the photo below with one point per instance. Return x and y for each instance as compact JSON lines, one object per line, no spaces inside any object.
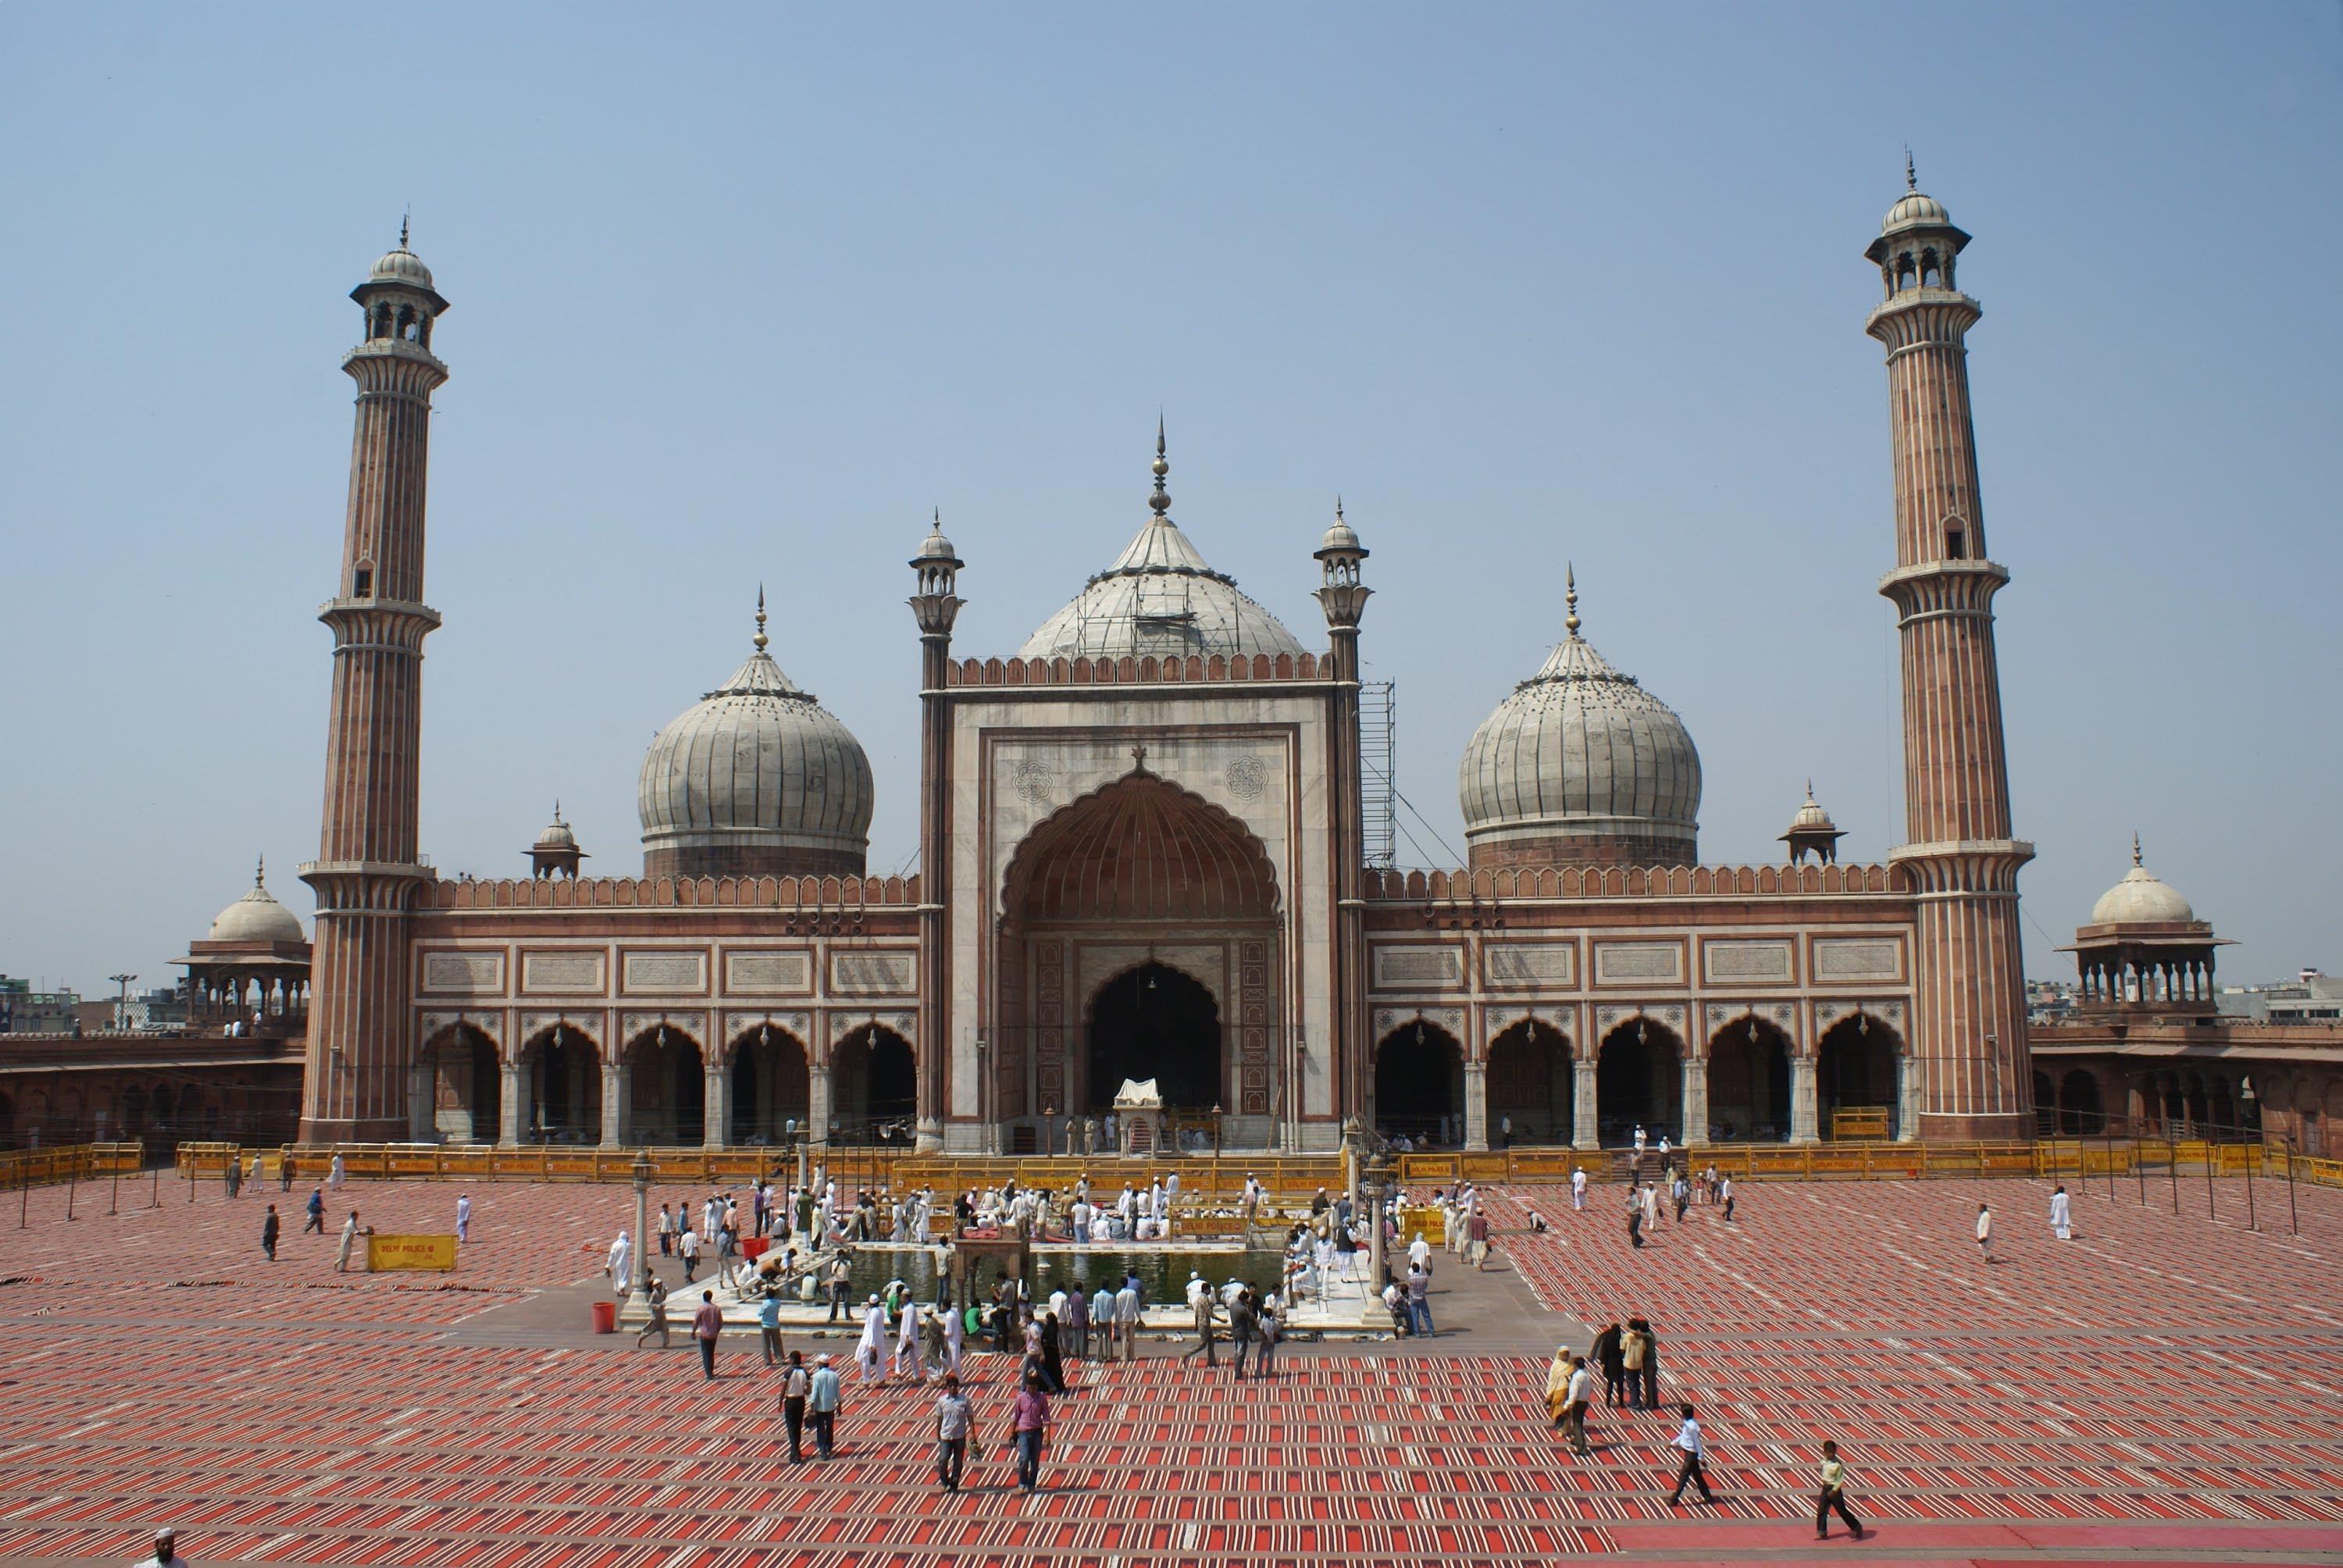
{"x":1911,"y":175}
{"x":260,"y":873}
{"x":402,"y":219}
{"x":1570,"y":598}
{"x":2135,"y":847}
{"x":1160,"y":501}
{"x":556,"y":811}
{"x":761,"y":639}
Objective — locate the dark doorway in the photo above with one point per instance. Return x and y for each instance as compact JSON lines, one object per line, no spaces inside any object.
{"x":561,"y":1078}
{"x":877,"y":1085}
{"x":770,"y":1090}
{"x":1420,"y":1086}
{"x":1749,"y":1083}
{"x":1855,"y":1070}
{"x":1639,"y":1083}
{"x":2079,"y":1113}
{"x":1156,"y":1022}
{"x":1530,"y":1083}
{"x":667,"y":1093}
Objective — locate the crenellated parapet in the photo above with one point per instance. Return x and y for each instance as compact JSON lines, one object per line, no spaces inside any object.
{"x":1126,"y":670}
{"x":1488,"y":885}
{"x":771,"y":893}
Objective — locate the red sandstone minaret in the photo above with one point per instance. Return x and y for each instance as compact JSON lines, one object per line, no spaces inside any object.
{"x":935,"y":606}
{"x":1973,"y":1076}
{"x":1344,"y":598}
{"x":368,"y":870}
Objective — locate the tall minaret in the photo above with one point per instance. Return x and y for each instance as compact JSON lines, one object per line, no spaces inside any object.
{"x":935,"y":606}
{"x":1974,"y":1079}
{"x":1344,"y":597}
{"x":366,"y":873}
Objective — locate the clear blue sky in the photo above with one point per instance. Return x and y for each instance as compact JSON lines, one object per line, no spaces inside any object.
{"x":740,"y":294}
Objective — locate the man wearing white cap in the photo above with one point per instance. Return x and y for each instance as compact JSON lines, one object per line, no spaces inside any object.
{"x":822,"y":1403}
{"x":165,"y":1552}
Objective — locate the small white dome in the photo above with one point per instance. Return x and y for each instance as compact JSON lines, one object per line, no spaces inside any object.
{"x":401,"y":266}
{"x":1916,"y":209}
{"x":1810,"y":815}
{"x":2141,"y":898}
{"x":256,"y":918}
{"x":556,"y":835}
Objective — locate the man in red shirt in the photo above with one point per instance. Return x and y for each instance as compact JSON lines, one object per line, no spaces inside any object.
{"x":1029,"y":1418}
{"x":706,"y":1324}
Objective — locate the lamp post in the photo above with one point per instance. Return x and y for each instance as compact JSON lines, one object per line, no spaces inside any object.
{"x":642,"y":1174}
{"x":122,"y":1008}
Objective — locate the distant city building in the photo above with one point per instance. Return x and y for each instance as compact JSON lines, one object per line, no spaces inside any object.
{"x":2312,"y":997}
{"x":23,"y":1011}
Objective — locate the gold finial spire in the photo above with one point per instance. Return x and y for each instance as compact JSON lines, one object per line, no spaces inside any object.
{"x":1570,"y":598}
{"x":761,"y":639}
{"x":1160,"y":501}
{"x":260,"y":873}
{"x":1911,"y":175}
{"x":2135,"y":847}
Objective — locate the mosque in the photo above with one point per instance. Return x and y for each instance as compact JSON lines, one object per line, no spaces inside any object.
{"x":1142,"y":857}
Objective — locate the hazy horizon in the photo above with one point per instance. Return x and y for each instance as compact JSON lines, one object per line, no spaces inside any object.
{"x":740,"y":296}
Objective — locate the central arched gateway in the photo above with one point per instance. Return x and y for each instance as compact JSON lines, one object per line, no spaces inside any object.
{"x":1154,"y":1022}
{"x":1140,"y":937}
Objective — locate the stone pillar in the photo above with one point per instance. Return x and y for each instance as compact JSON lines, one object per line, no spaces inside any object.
{"x":715,"y":1112}
{"x":614,"y":1104}
{"x":817,"y":1104}
{"x":1694,"y":1106}
{"x":1477,"y":1106}
{"x":1805,"y":1111}
{"x":509,"y":1105}
{"x":1905,"y":1131}
{"x":423,"y":1102}
{"x":1585,"y":1130}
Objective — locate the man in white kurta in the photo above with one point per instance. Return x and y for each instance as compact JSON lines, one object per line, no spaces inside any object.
{"x":620,"y":1261}
{"x":2062,"y":1216}
{"x":1578,"y":1187}
{"x":955,"y":1330}
{"x":907,"y":1344}
{"x":868,"y":1351}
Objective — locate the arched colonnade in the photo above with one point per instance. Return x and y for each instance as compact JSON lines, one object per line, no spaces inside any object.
{"x":1748,"y":1081}
{"x":662,"y":1087}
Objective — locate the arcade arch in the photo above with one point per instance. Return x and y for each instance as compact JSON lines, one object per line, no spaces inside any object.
{"x":463,"y":1085}
{"x":1530,"y":1085}
{"x":1855,"y":1069}
{"x":768,"y":1092}
{"x":663,"y":1094}
{"x":1639,"y":1083}
{"x":561,"y":1088}
{"x":1420,"y":1084}
{"x":876,"y":1087}
{"x":1748,"y":1084}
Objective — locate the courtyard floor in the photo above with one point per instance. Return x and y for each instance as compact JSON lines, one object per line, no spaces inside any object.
{"x":2164,"y":1388}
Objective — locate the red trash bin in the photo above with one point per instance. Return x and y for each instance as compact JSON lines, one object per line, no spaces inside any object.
{"x":606,"y":1317}
{"x":755,"y":1247}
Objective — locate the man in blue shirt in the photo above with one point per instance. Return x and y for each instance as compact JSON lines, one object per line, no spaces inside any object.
{"x":827,"y":1396}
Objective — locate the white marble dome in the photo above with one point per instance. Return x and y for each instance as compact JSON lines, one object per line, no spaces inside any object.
{"x":1916,"y":209}
{"x":1160,"y":598}
{"x":401,"y":266}
{"x":256,"y":918}
{"x":1581,"y":752}
{"x":2141,"y":898}
{"x":756,"y":777}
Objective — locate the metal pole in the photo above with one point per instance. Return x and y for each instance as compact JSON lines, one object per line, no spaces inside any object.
{"x":2253,"y":1222}
{"x":2293,"y":1217}
{"x":114,"y":1199}
{"x":2140,"y":1162}
{"x":24,"y":1189}
{"x":2172,"y":1166}
{"x":73,"y":1183}
{"x":2212,"y":1210}
{"x":155,"y":1192}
